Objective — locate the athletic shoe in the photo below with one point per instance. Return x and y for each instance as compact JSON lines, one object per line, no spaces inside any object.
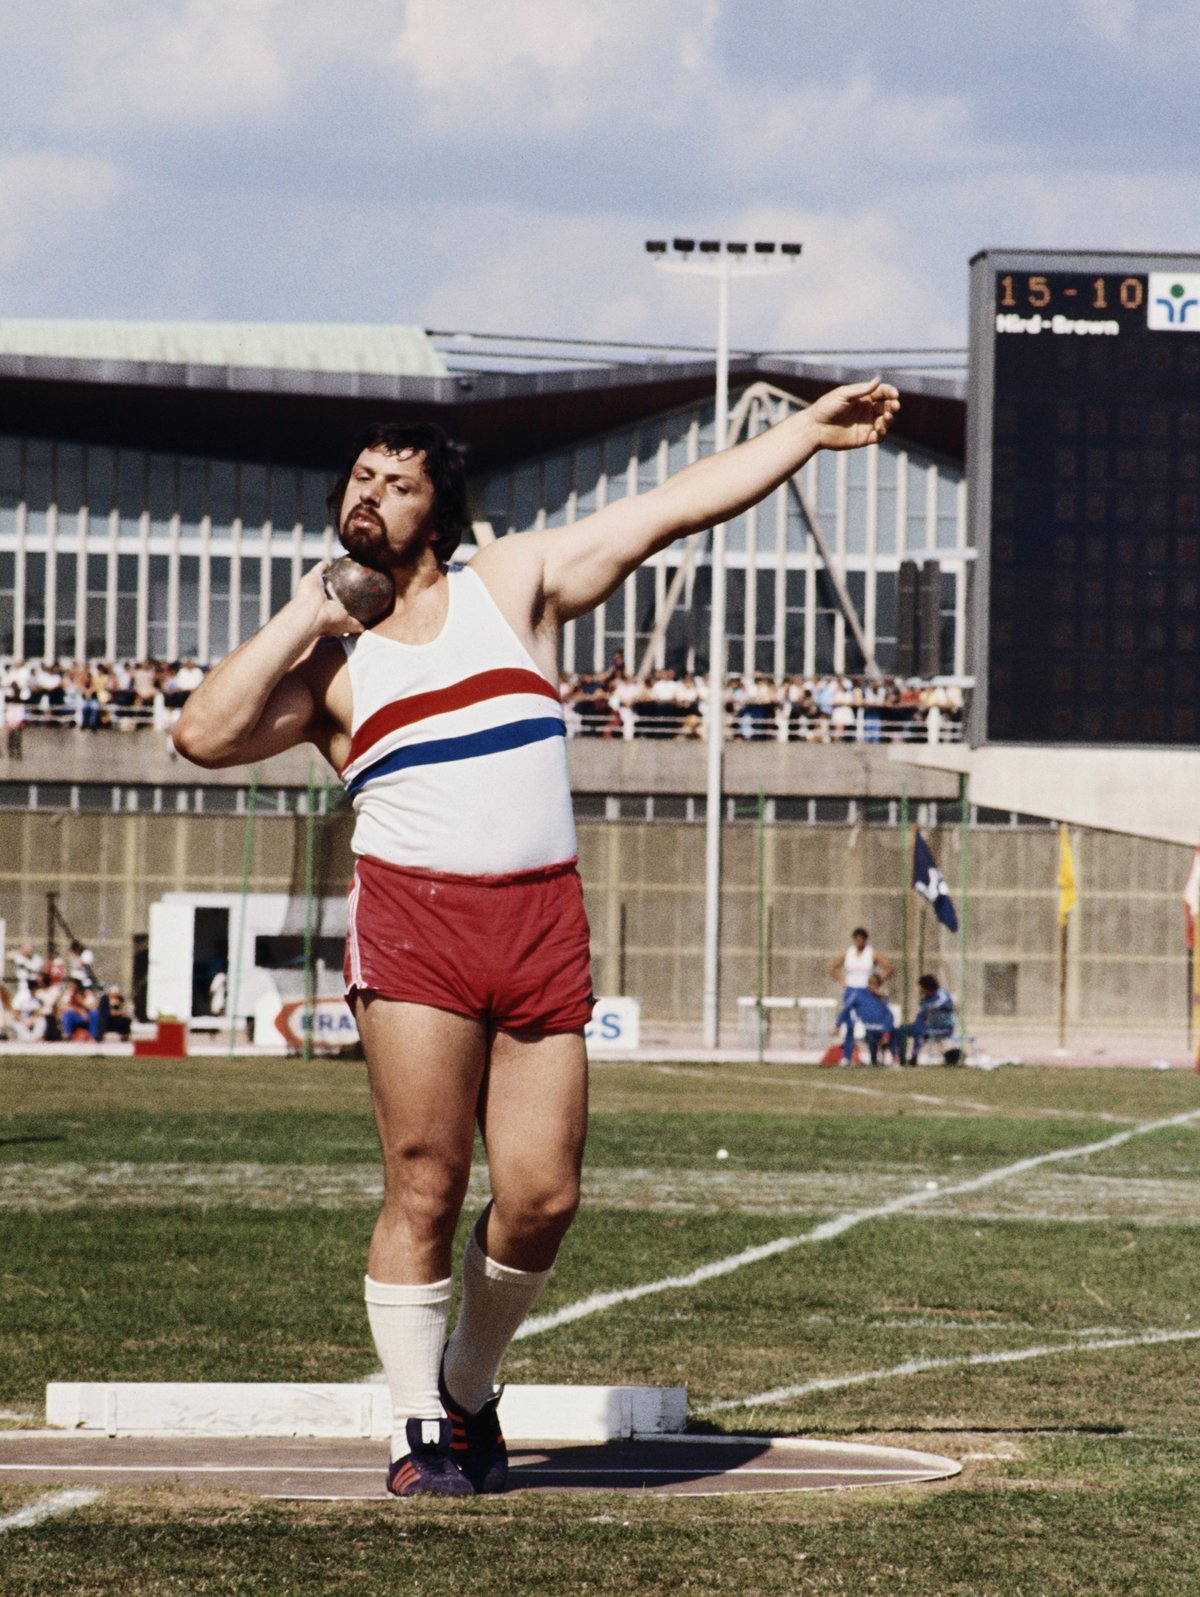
{"x":476,"y":1441}
{"x":427,"y":1469}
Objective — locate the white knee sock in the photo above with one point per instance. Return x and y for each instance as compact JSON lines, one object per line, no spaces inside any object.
{"x":409,"y":1327}
{"x":495,"y":1300}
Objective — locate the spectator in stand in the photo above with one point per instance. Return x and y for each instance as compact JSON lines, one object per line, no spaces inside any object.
{"x":109,"y":1017}
{"x":81,"y":964}
{"x":20,"y":1019}
{"x":187,"y":679}
{"x":27,"y":967}
{"x":14,"y":725}
{"x":46,"y":992}
{"x":73,"y":1012}
{"x":89,"y":702}
{"x":145,"y":686}
{"x":124,"y":694}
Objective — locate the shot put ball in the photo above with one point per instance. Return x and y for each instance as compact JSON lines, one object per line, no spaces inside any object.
{"x":361,"y":591}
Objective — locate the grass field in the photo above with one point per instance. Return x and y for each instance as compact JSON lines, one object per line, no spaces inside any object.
{"x":952,"y":1279}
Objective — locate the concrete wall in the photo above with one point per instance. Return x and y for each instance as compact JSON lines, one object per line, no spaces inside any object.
{"x":644,"y":883}
{"x":597,"y":765}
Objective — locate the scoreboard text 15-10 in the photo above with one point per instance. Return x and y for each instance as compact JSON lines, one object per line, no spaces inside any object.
{"x":1084,"y":498}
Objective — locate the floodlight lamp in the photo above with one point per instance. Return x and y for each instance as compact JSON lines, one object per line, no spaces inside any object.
{"x":736,"y":249}
{"x":710,"y":246}
{"x":656,"y":246}
{"x":764,"y":247}
{"x":685,"y":246}
{"x":790,"y":249}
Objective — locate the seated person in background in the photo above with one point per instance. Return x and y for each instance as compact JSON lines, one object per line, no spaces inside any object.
{"x":934,"y":1018}
{"x":73,"y":1012}
{"x":109,"y":1017}
{"x":19,"y":1017}
{"x":869,"y":1006}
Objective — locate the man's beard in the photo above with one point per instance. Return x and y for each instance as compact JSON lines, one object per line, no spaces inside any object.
{"x":365,"y":540}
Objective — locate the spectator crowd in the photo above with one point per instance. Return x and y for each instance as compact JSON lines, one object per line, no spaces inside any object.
{"x":124,"y":694}
{"x":612,"y":704}
{"x":816,"y":709}
{"x":60,"y":1000}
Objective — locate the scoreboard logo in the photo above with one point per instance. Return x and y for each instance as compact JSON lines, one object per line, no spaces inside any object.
{"x":1173,"y":303}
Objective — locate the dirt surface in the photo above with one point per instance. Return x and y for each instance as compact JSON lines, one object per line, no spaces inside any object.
{"x":310,"y":1468}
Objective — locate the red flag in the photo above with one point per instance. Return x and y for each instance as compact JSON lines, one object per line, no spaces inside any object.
{"x":1191,"y":901}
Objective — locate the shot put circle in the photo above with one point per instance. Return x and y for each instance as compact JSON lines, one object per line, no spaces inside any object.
{"x":363,"y":592}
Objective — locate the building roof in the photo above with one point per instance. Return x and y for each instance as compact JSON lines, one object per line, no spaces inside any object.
{"x":318,"y":388}
{"x":350,"y":347}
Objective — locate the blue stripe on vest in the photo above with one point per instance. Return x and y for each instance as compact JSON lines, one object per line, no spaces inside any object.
{"x":442,"y":751}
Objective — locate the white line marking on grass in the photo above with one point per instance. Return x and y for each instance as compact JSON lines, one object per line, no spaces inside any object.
{"x":49,"y":1507}
{"x":858,"y":1090}
{"x":596,"y":1302}
{"x":833,"y":1383}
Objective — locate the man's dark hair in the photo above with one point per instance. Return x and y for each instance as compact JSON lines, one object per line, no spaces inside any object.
{"x":929,"y":984}
{"x":443,"y":466}
{"x":860,"y":931}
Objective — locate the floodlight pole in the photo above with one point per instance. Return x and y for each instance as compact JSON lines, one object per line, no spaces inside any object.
{"x":723,"y":264}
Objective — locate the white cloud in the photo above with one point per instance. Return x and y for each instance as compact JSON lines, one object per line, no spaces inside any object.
{"x":863,"y":279}
{"x":849,"y":128}
{"x":538,"y":68}
{"x":45,"y":197}
{"x":182,"y":62}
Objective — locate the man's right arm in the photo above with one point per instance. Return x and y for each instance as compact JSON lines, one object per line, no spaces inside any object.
{"x":265,"y":697}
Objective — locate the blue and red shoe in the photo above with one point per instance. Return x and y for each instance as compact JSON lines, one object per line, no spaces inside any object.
{"x":476,"y":1441}
{"x":427,"y":1469}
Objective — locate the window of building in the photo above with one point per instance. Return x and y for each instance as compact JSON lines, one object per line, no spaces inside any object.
{"x":127,"y":603}
{"x":220,"y":573}
{"x":886,"y":489}
{"x":35,"y":605}
{"x":10,"y":485}
{"x":8,"y":602}
{"x":188,"y":645}
{"x":39,"y":459}
{"x":157,"y":601}
{"x":249,"y":595}
{"x":65,"y":569}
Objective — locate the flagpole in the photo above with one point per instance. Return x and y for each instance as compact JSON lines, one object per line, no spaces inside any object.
{"x":1066,"y":903}
{"x":963,"y":878}
{"x":906,"y":888}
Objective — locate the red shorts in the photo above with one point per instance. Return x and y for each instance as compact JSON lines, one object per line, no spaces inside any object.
{"x":511,"y":951}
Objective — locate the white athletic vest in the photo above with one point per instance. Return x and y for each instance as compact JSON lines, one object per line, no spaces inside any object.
{"x":857,"y":967}
{"x":458,"y":757}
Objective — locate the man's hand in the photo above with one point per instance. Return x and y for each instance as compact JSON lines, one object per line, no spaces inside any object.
{"x":330,"y":616}
{"x":858,"y":414}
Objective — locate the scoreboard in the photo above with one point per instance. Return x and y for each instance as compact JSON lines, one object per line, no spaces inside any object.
{"x":1083,"y":468}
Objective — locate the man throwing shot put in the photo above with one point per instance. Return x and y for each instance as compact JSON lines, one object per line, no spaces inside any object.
{"x":467,"y":952}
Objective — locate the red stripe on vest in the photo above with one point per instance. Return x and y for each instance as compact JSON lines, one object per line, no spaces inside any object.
{"x":419,"y":706}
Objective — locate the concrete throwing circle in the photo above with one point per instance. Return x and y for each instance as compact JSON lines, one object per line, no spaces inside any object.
{"x":317,"y":1470}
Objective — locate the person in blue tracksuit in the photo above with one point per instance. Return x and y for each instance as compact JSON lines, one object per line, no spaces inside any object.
{"x":868,"y":1005}
{"x":934,"y":1018}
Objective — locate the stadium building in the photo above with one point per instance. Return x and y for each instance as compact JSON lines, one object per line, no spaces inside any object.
{"x":162,"y":487}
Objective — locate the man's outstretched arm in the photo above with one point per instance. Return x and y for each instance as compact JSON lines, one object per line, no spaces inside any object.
{"x":583,"y":564}
{"x":260,"y":700}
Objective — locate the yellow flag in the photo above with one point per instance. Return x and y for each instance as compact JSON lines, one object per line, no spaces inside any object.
{"x":1066,"y":876}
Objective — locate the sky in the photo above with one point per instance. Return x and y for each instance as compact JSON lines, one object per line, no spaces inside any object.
{"x":496,"y":165}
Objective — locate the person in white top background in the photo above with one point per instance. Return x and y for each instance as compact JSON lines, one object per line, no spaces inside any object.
{"x":859,"y":963}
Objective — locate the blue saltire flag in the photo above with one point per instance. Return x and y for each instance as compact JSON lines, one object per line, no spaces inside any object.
{"x":931,"y":884}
